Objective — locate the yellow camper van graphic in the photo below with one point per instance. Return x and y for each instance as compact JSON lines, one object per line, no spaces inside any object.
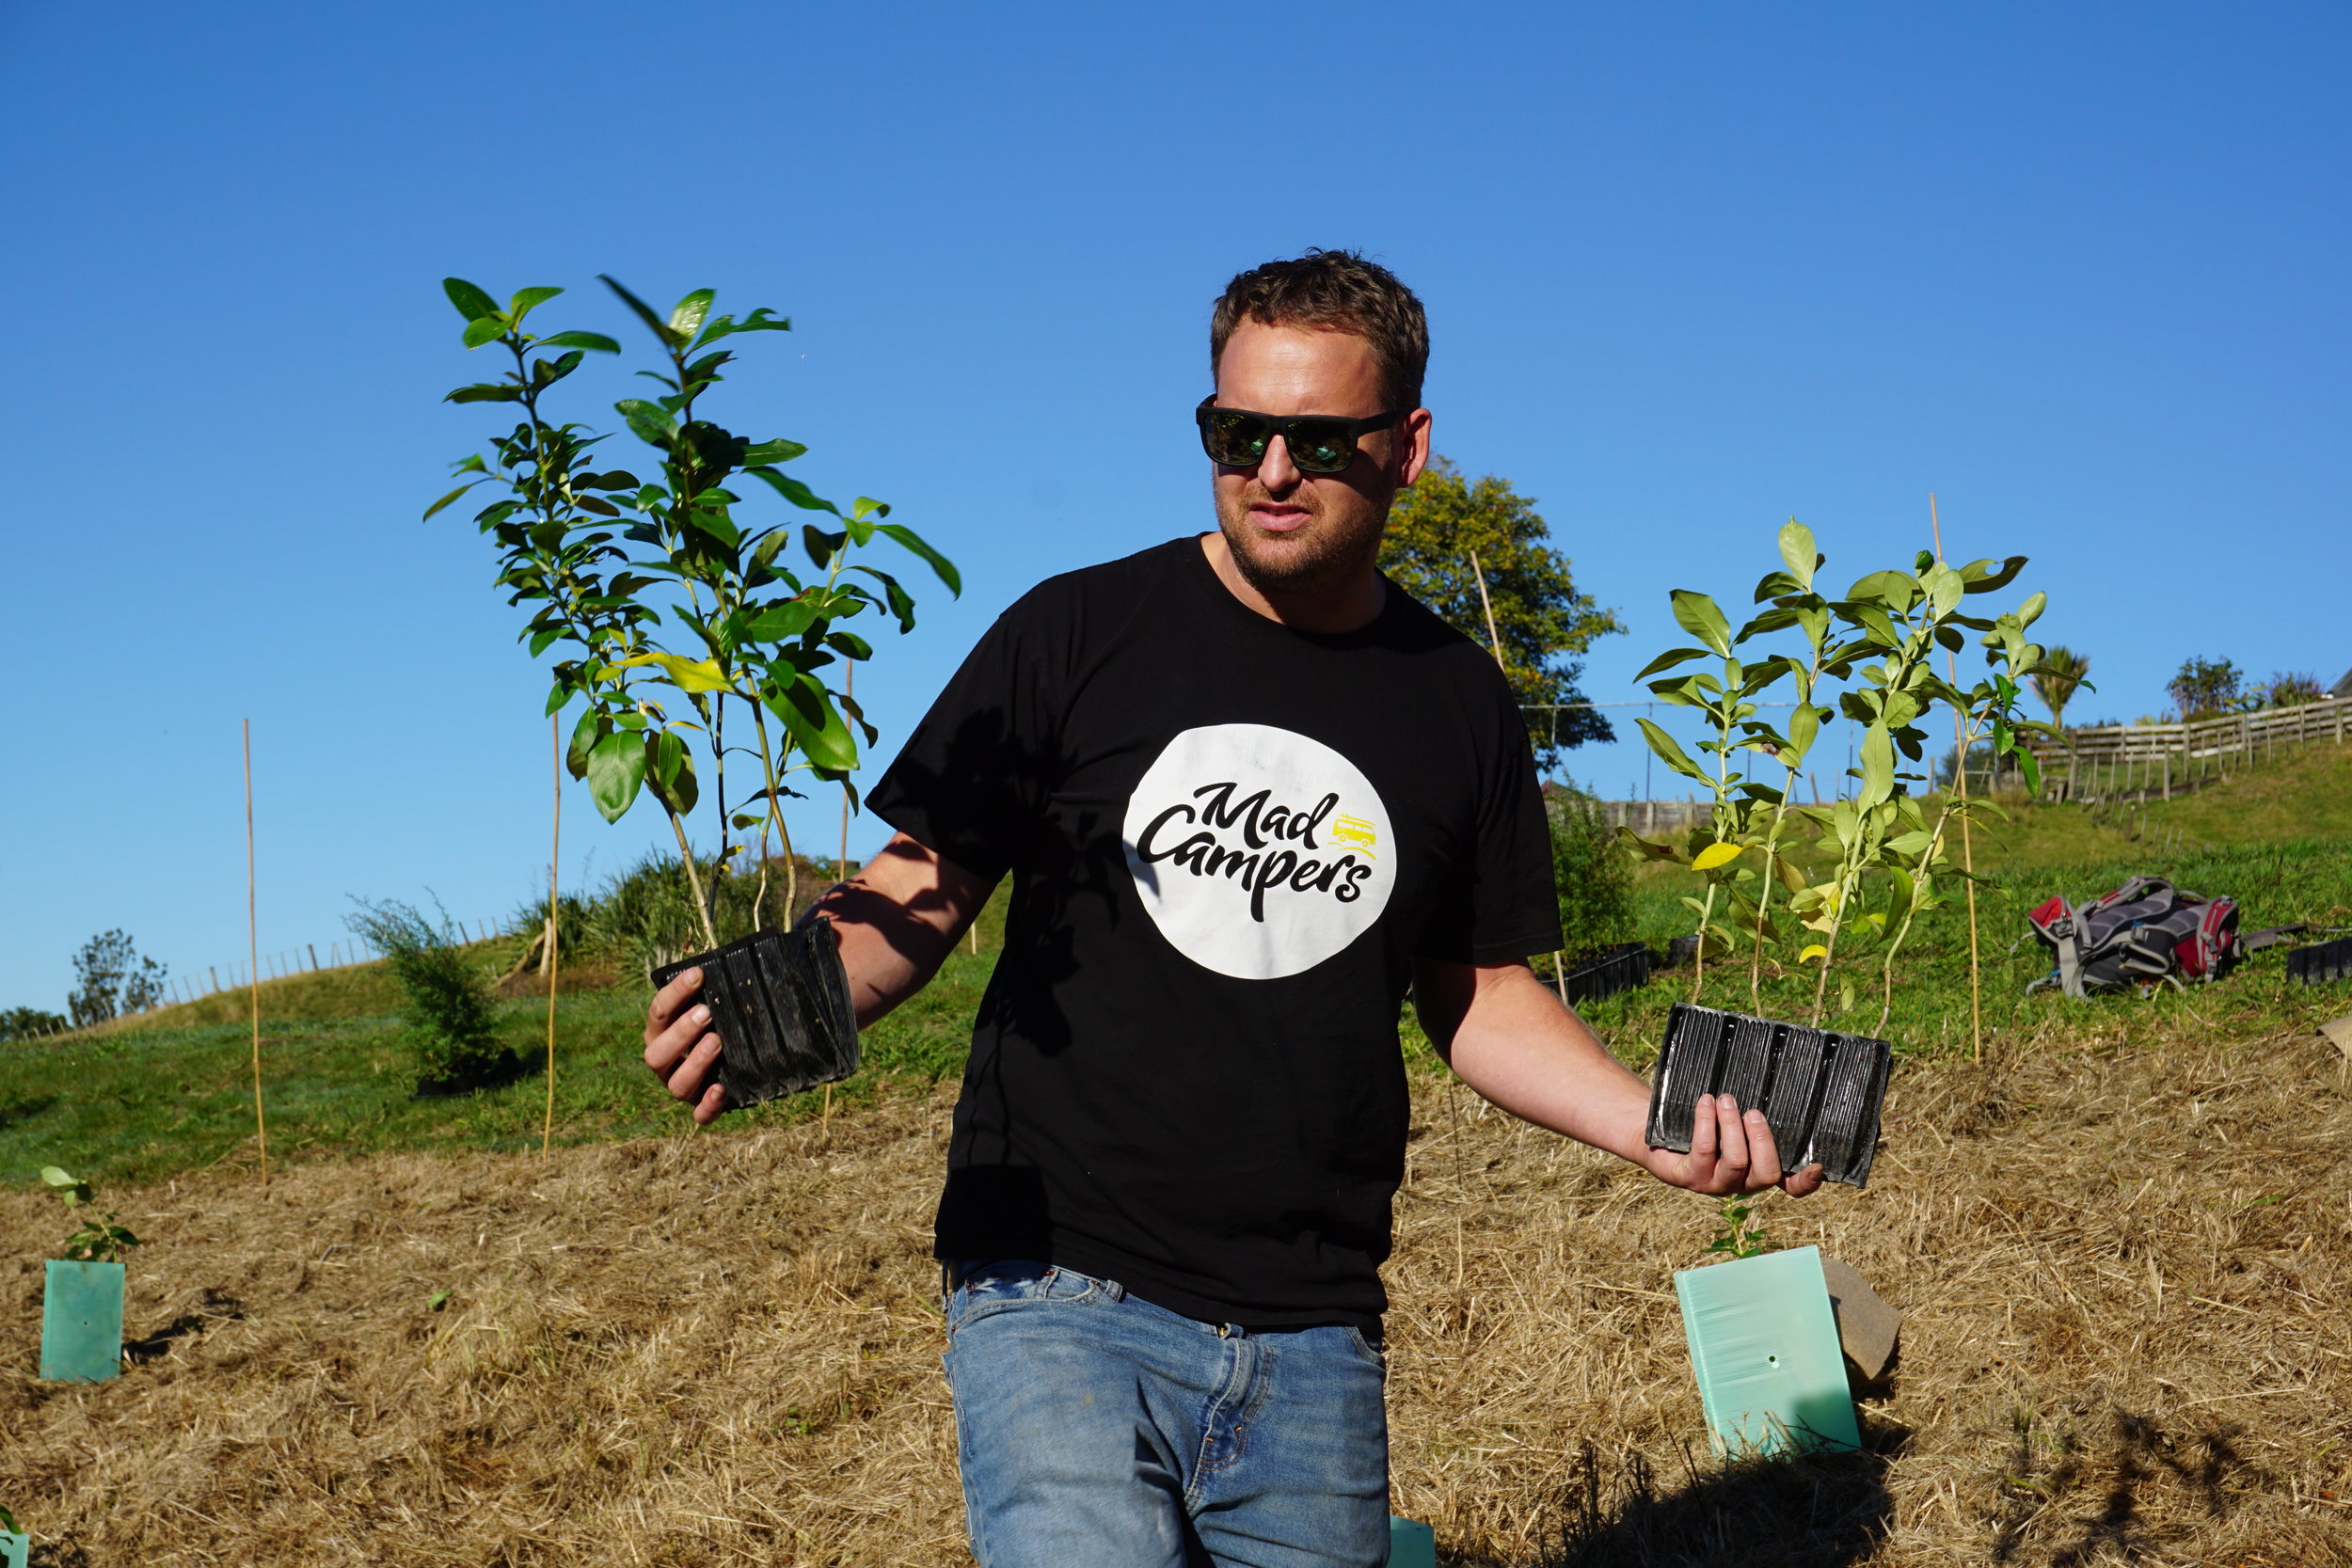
{"x":1357,"y":835}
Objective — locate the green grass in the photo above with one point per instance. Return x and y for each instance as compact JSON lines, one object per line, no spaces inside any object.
{"x":173,"y":1092}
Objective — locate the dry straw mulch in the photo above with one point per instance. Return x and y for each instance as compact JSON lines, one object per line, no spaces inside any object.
{"x":2126,"y":1275}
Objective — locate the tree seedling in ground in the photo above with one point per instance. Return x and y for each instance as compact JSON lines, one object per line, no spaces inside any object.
{"x":81,"y":1309}
{"x":1888,"y":855}
{"x":673,"y":614}
{"x":1741,"y":1236}
{"x":100,"y":1239}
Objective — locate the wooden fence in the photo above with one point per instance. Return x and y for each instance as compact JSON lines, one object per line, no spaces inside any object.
{"x":2158,"y":761}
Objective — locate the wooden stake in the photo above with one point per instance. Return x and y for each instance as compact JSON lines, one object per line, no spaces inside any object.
{"x":1494,"y":638}
{"x":1967,"y":850}
{"x":555,"y":857}
{"x":253,"y":955}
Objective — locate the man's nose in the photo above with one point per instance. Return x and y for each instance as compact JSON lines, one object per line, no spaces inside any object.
{"x":1276,"y":470}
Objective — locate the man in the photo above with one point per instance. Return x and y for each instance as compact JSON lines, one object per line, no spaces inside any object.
{"x":1248,"y":793}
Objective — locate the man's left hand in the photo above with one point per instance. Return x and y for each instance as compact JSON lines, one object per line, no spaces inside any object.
{"x":1730,"y":1153}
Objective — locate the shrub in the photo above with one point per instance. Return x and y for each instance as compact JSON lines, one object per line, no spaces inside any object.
{"x":2292,"y":689}
{"x":452,"y":1020}
{"x":1591,"y":870}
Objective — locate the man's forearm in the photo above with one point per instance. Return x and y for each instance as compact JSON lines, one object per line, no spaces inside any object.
{"x":898,"y":920}
{"x":1524,"y":1052}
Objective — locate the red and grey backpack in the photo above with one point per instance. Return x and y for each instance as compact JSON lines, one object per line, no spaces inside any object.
{"x":2144,"y":933}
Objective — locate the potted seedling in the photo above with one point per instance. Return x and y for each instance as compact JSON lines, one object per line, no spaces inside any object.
{"x":14,"y":1543}
{"x":675,"y":616}
{"x":1820,"y":1089}
{"x":81,"y":1316}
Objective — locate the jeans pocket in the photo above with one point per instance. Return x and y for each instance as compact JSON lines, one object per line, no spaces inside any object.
{"x":1363,"y":1345}
{"x":1002,"y":1286}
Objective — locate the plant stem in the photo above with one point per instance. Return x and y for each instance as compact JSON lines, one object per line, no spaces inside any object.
{"x":693,"y":876}
{"x":555,"y":859}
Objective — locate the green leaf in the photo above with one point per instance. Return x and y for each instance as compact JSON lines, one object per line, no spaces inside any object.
{"x":1895,"y":590}
{"x":1797,"y":549}
{"x":472,"y":302}
{"x":686,"y":318}
{"x":485,"y":391}
{"x":778,"y":450}
{"x":941,"y":566}
{"x":2030,"y":612}
{"x":529,"y":300}
{"x":809,"y":716}
{"x":848,"y":644}
{"x":792,"y":490}
{"x":484,"y":329}
{"x":653,"y":425}
{"x":451,"y":497}
{"x":1668,"y":659}
{"x":1805,"y":727}
{"x":686,"y":675}
{"x":1670,"y":753}
{"x":1877,"y":756}
{"x":595,"y":340}
{"x":762,"y":320}
{"x":669,"y":772}
{"x":616,"y":769}
{"x":1983,"y":576}
{"x":1698,"y":616}
{"x":644,"y":312}
{"x":584,"y":738}
{"x":779,"y":622}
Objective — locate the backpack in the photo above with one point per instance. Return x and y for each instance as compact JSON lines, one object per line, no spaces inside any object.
{"x":2145,"y":933}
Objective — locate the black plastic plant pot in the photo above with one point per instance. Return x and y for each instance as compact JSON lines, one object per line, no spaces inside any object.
{"x":496,"y":1072}
{"x":1819,"y":1090}
{"x":1623,"y":966}
{"x":2322,"y":962}
{"x":780,"y":1004}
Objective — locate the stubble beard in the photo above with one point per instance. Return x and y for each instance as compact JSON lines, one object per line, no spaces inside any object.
{"x":1328,"y":555}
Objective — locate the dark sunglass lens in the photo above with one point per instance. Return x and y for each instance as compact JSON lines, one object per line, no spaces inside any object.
{"x":1233,"y":438}
{"x":1320,"y":446}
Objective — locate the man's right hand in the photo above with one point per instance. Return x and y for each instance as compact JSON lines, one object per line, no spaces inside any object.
{"x":680,"y":1048}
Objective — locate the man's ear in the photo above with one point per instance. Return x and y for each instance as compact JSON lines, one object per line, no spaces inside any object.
{"x":1413,"y":450}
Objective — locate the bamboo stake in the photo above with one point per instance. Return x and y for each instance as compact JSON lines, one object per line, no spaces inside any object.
{"x":1494,"y":638}
{"x":555,"y":858}
{"x":1967,"y":849}
{"x":253,"y":954}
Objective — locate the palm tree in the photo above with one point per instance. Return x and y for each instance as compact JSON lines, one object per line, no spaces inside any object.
{"x":2062,"y":672}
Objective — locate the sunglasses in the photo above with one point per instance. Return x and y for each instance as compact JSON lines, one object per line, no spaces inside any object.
{"x":1318,"y":443}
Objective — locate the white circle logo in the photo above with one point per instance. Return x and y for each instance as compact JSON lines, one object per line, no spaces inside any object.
{"x":1259,"y":852}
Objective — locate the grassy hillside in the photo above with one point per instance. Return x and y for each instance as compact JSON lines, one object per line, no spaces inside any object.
{"x":171,"y":1091}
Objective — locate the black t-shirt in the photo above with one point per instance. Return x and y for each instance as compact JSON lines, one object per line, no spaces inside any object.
{"x":1228,"y":841}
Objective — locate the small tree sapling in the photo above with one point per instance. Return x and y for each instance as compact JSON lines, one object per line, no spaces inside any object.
{"x":99,"y":1238}
{"x":613,"y":563}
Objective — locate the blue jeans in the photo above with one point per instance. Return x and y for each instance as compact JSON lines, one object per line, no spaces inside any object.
{"x":1098,"y":1431}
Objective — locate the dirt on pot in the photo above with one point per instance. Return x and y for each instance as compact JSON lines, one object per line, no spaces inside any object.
{"x":2123,"y":1275}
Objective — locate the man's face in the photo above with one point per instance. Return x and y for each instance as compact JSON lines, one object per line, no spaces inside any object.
{"x":1293,"y":532}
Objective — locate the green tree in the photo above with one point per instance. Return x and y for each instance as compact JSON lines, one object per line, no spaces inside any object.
{"x":1438,"y":527}
{"x":2063,"y":673}
{"x":2206,"y":686}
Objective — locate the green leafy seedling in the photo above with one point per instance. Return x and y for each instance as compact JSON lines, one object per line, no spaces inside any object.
{"x":1742,"y":1236}
{"x":100,"y":1239}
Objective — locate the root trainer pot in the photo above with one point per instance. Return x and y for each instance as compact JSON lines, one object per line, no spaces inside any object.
{"x":1819,"y":1090}
{"x":780,"y":1004}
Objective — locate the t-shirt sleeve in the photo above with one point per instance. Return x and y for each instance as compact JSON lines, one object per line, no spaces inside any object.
{"x":1505,"y":906}
{"x":972,"y":782}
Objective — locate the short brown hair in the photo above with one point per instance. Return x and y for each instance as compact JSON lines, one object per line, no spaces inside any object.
{"x":1337,"y":290}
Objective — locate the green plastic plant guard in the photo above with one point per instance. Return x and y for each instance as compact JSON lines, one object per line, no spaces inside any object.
{"x":81,"y":1323}
{"x":1411,"y":1543}
{"x":12,"y":1549}
{"x":1764,"y":1344}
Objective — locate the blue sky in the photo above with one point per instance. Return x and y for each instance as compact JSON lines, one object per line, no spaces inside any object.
{"x":2077,"y":269}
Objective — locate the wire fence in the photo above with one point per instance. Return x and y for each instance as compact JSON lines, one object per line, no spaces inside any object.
{"x":308,"y":958}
